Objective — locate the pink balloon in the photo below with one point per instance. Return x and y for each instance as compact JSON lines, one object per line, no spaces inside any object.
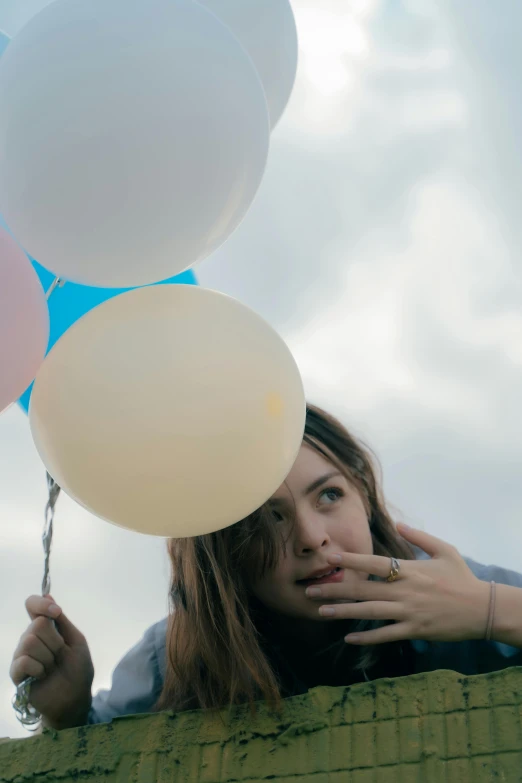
{"x":24,"y":321}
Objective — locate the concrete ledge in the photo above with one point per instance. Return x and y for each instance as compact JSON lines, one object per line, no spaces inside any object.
{"x":427,"y":728}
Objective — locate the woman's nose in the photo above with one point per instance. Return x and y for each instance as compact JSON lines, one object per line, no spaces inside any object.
{"x":310,"y":533}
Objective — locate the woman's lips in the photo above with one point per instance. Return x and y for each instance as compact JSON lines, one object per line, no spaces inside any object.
{"x":337,"y":576}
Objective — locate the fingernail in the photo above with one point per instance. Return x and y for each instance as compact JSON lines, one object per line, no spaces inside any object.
{"x":352,"y":637}
{"x":54,"y":610}
{"x":334,"y":559}
{"x":327,"y":611}
{"x":404,"y":526}
{"x":313,"y":592}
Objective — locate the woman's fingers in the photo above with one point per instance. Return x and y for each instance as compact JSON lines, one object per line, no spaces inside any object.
{"x":24,"y":667}
{"x":360,"y":590}
{"x":380,"y":566}
{"x":366,"y":610}
{"x":368,"y":564}
{"x":38,"y":647}
{"x":38,"y":605}
{"x":371,"y":564}
{"x":433,"y":546}
{"x":388,"y":633}
{"x":42,"y":631}
{"x":35,"y":656}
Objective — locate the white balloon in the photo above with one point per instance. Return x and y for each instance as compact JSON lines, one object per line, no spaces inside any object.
{"x":170,"y":410}
{"x":267,"y":30}
{"x":133,"y":138}
{"x":14,"y":14}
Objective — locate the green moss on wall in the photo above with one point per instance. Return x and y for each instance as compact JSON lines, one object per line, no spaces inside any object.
{"x":427,"y":728}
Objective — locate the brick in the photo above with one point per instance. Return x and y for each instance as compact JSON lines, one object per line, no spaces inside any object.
{"x":386,"y":700}
{"x":505,"y":728}
{"x":457,"y":740}
{"x":363,"y":744}
{"x":387,"y":742}
{"x":410,"y":739}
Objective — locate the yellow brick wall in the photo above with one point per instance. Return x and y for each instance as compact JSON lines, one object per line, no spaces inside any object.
{"x":439,"y":727}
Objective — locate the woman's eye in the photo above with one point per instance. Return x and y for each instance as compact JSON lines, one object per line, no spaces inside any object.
{"x":330,"y":495}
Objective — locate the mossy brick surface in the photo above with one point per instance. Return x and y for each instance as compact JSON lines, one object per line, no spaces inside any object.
{"x":438,"y":727}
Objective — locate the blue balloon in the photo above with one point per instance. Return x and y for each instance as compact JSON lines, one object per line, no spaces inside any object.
{"x":68,"y":303}
{"x":4,"y":40}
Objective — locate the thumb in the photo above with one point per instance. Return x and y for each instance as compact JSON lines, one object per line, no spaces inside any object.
{"x":433,"y":546}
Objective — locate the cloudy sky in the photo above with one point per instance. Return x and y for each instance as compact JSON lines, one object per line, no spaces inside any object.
{"x":385,"y":247}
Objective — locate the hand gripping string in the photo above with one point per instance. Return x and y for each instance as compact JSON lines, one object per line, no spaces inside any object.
{"x":25,"y":712}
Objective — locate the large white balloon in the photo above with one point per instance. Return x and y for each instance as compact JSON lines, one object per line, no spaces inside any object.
{"x":14,"y":14}
{"x":133,"y":138}
{"x":170,"y":410}
{"x":267,"y":30}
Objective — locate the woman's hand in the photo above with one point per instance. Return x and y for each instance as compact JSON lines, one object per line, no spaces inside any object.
{"x":57,"y":655}
{"x":435,"y":600}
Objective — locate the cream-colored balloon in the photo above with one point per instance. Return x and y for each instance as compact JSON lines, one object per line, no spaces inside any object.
{"x":170,"y":410}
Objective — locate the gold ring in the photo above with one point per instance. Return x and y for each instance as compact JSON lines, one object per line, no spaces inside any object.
{"x":394,"y":570}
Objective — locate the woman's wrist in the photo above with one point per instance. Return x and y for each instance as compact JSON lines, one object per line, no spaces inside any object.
{"x":71,"y":720}
{"x":507,"y":618}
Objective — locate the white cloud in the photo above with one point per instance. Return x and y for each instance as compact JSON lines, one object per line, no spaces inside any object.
{"x":334,"y":41}
{"x":365,"y":345}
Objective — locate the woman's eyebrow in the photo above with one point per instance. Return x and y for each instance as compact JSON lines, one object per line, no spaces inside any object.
{"x":311,"y":488}
{"x":320,"y":481}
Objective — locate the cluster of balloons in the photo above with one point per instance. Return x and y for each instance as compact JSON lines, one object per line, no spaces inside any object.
{"x":133,"y":139}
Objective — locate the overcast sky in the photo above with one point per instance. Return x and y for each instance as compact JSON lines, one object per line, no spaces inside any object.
{"x":385,"y":247}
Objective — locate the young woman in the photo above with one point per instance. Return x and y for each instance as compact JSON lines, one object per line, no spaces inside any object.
{"x":317,"y":587}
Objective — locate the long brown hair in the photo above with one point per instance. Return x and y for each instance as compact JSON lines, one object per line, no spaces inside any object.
{"x":215,"y":653}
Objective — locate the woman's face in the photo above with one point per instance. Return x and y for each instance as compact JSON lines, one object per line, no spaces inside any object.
{"x":328,"y":516}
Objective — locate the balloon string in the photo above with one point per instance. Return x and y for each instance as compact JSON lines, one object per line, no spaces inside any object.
{"x":57,"y":282}
{"x":47,"y":537}
{"x":54,"y":492}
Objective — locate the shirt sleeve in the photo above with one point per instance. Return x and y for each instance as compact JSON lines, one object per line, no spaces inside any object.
{"x":136,"y":682}
{"x":495,"y":573}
